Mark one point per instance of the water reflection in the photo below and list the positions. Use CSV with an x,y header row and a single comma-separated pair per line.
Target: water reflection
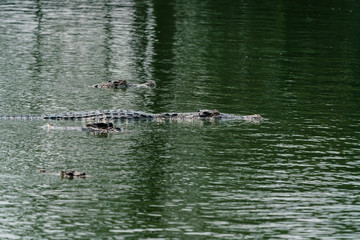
x,y
294,175
108,26
38,42
143,39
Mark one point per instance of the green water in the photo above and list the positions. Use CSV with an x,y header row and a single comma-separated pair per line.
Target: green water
x,y
293,176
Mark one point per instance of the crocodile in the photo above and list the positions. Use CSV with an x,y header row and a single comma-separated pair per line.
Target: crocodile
x,y
120,115
66,174
96,128
124,84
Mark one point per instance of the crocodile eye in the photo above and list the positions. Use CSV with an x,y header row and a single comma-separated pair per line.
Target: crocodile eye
x,y
206,113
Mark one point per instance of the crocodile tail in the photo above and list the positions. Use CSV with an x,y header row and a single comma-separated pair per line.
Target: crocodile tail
x,y
22,117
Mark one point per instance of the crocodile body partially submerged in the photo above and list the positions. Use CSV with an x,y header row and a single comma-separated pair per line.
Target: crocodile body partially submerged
x,y
118,115
124,84
66,174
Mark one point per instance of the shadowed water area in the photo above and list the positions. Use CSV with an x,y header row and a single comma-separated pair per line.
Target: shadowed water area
x,y
293,176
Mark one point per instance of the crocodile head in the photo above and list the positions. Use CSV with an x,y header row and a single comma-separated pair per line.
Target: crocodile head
x,y
209,113
150,83
255,118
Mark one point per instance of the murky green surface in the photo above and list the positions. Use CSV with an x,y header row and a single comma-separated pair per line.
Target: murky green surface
x,y
295,175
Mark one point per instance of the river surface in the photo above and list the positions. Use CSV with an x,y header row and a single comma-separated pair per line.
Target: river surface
x,y
295,175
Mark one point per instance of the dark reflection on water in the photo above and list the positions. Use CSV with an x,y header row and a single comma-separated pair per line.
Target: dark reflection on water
x,y
294,175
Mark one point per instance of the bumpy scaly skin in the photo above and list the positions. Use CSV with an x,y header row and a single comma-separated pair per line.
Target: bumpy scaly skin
x,y
113,115
124,84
